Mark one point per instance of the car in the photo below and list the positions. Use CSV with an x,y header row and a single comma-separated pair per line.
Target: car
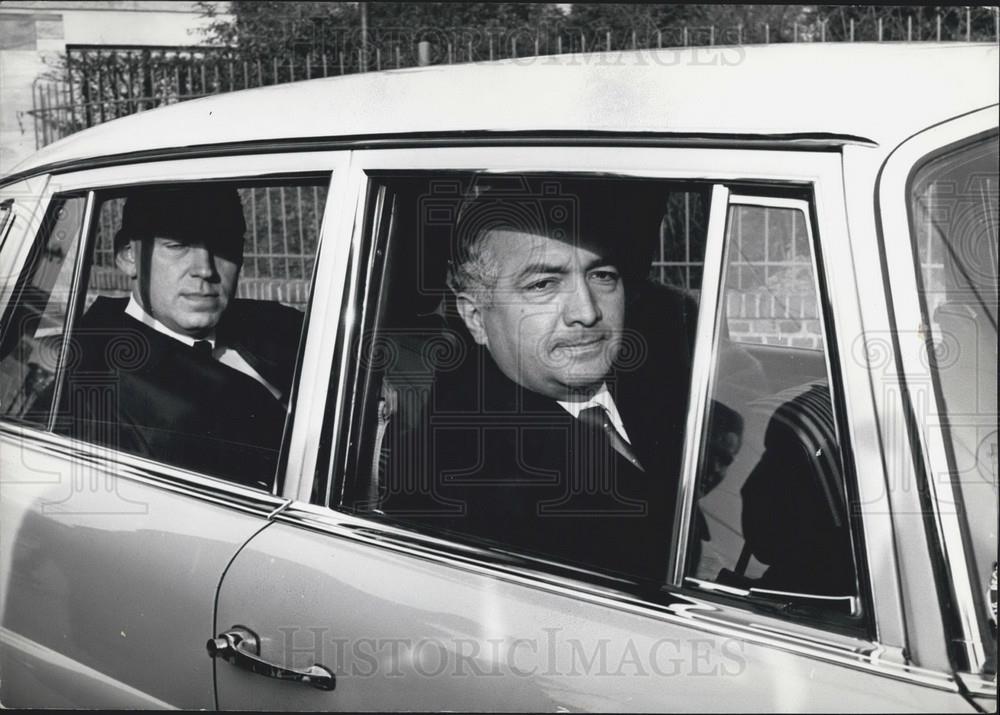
x,y
808,239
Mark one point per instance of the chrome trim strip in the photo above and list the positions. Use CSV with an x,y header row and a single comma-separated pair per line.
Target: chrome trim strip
x,y
786,142
144,471
978,686
907,311
701,377
313,373
346,310
685,609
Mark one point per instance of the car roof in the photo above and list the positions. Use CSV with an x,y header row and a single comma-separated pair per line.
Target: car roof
x,y
881,92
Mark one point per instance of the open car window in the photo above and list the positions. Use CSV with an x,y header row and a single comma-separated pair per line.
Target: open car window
x,y
182,338
459,437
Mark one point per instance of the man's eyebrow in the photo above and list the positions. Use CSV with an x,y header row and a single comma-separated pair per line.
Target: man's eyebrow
x,y
542,267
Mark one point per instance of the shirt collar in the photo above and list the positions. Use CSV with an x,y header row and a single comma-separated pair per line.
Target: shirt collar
x,y
602,398
136,311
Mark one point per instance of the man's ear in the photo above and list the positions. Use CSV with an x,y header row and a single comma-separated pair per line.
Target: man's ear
x,y
126,261
471,310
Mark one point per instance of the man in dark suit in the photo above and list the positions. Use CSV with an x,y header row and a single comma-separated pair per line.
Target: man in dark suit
x,y
181,371
560,431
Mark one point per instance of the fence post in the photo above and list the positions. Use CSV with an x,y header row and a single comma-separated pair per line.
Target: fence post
x,y
795,32
583,42
767,33
341,56
491,46
634,45
852,29
559,44
513,47
880,29
398,57
537,45
739,33
378,57
939,27
909,28
308,68
685,36
711,35
607,40
822,31
659,39
424,53
968,23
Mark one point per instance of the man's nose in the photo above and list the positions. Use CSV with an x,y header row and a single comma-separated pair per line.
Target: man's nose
x,y
580,306
202,262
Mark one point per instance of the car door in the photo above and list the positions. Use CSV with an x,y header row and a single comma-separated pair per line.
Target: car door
x,y
339,605
111,558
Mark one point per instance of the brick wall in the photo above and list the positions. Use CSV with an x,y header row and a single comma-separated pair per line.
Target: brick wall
x,y
769,318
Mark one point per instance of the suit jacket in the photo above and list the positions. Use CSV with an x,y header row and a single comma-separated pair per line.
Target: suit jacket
x,y
135,389
494,460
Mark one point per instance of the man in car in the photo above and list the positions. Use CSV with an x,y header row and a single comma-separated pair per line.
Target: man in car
x,y
559,432
182,371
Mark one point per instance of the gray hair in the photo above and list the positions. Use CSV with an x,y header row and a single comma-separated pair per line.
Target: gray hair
x,y
471,268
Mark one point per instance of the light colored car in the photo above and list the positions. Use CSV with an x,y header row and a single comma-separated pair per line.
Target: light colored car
x,y
816,230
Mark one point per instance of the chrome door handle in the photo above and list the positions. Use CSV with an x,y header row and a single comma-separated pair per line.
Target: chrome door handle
x,y
240,646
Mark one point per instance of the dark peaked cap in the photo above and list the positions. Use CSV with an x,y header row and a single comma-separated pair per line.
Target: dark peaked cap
x,y
212,213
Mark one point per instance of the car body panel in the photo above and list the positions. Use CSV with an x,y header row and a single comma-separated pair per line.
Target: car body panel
x,y
406,633
108,582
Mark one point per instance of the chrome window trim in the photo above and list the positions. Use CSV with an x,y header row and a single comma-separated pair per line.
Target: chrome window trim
x,y
706,334
72,301
332,259
906,309
688,610
979,686
703,372
796,141
141,470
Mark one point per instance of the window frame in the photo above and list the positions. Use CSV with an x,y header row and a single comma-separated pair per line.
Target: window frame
x,y
703,372
234,168
930,451
820,172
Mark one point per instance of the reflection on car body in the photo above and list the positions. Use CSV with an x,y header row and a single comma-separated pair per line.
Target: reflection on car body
x,y
460,410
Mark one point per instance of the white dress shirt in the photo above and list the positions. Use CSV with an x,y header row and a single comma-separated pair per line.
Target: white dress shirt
x,y
601,399
227,356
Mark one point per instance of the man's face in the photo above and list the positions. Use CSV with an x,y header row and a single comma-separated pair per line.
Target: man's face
x,y
553,321
185,285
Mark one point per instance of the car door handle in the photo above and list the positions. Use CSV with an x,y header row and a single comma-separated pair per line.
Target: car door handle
x,y
241,647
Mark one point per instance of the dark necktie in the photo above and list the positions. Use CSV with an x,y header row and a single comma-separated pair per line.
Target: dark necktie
x,y
202,349
597,418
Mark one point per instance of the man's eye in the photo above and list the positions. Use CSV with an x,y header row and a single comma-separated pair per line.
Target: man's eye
x,y
542,285
605,276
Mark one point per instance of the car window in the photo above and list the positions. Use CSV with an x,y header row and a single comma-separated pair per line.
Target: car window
x,y
953,199
32,334
188,323
500,308
771,520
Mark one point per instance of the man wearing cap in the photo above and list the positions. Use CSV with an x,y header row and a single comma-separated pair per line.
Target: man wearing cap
x,y
182,371
559,432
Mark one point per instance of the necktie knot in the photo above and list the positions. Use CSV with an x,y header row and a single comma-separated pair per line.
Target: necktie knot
x,y
597,417
202,349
